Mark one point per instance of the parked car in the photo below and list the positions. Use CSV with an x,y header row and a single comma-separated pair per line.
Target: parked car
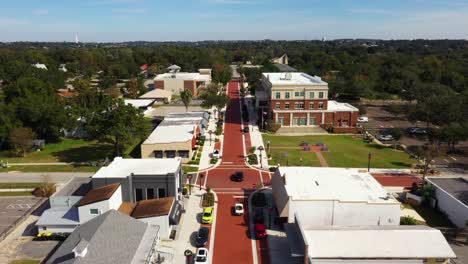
x,y
238,176
215,154
207,217
202,256
385,137
246,129
238,209
260,231
202,236
363,119
417,131
258,215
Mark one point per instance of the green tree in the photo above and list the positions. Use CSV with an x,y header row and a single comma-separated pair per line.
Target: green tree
x,y
215,100
186,97
133,88
222,73
119,124
7,123
21,138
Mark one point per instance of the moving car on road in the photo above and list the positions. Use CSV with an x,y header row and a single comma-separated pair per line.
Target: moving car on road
x,y
207,217
202,236
384,137
260,231
417,131
363,119
238,176
246,129
238,209
215,154
202,256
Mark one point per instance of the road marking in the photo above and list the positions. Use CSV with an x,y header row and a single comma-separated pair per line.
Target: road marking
x,y
206,179
453,158
446,161
239,196
227,162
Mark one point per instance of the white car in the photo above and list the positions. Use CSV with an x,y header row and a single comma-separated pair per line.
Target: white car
x,y
238,209
215,154
385,137
363,119
202,256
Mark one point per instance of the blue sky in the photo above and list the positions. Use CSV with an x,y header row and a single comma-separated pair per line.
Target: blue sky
x,y
157,20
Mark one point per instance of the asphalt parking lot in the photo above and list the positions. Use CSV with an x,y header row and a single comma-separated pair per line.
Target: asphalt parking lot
x,y
14,208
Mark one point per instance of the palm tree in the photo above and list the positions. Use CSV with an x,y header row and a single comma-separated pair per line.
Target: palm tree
x,y
186,97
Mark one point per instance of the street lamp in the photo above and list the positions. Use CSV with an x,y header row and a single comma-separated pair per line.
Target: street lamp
x,y
210,132
201,177
369,157
189,177
300,160
268,146
260,148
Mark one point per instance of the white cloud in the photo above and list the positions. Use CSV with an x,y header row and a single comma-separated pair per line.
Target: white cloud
x,y
13,22
129,10
40,12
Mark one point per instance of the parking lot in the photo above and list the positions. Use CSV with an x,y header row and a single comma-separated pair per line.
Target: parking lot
x,y
12,209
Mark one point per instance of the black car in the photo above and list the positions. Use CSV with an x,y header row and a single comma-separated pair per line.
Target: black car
x,y
202,236
238,176
246,129
258,215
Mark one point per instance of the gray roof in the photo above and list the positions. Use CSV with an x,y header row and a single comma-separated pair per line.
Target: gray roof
x,y
285,68
113,238
457,187
65,216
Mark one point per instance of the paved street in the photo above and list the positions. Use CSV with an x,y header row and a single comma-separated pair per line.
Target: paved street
x,y
232,241
57,177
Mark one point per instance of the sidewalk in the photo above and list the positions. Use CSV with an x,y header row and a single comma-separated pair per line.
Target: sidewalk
x,y
255,134
208,147
188,226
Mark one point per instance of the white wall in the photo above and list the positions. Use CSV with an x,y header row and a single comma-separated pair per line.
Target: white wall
x,y
113,202
456,211
344,214
358,261
162,222
56,229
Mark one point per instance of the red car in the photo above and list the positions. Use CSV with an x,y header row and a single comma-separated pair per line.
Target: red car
x,y
260,231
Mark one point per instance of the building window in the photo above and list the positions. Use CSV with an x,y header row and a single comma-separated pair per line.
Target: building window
x,y
298,94
311,95
150,193
311,105
138,194
298,105
281,120
320,105
286,95
277,105
161,192
278,95
312,121
93,211
320,94
286,105
170,154
158,154
303,121
296,121
183,153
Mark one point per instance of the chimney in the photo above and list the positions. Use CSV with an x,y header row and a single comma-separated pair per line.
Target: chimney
x,y
81,248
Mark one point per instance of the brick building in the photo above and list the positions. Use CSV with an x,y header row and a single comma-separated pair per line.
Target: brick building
x,y
298,99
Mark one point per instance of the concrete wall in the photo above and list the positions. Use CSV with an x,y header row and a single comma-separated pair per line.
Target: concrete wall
x,y
147,150
84,211
174,85
456,211
56,229
372,261
162,222
280,195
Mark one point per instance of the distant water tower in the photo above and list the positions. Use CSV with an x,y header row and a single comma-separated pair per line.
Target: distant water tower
x,y
76,39
324,39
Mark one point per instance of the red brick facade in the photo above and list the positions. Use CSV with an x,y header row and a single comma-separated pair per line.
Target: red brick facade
x,y
307,104
190,85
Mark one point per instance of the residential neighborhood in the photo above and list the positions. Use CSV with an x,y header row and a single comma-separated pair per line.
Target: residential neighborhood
x,y
144,143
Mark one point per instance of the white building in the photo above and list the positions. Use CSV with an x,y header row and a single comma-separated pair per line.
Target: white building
x,y
40,66
333,197
452,198
143,104
98,201
178,81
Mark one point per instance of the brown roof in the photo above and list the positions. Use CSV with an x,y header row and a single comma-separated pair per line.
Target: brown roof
x,y
148,208
127,208
99,194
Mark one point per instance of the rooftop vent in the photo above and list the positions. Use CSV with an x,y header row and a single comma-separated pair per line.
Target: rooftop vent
x,y
81,248
287,76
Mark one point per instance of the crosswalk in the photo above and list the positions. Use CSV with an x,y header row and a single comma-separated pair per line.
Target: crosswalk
x,y
234,191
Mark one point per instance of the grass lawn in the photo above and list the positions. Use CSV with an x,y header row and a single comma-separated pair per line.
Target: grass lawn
x,y
188,169
25,261
19,185
68,150
50,168
7,194
433,217
344,151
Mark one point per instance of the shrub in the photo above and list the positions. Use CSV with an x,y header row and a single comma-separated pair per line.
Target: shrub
x,y
252,149
219,130
252,159
213,160
408,220
208,200
272,127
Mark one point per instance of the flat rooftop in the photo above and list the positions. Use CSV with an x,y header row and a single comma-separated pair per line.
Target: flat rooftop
x,y
183,76
187,115
138,103
293,78
376,242
157,93
457,187
341,184
59,216
121,168
335,106
171,134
